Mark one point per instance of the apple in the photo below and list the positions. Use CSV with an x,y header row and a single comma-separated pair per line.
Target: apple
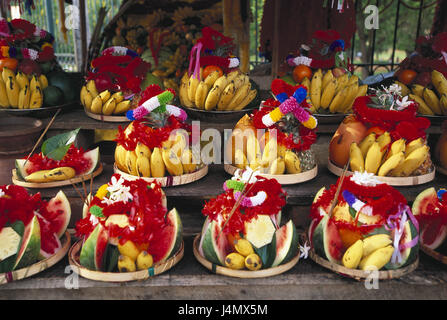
x,y
338,72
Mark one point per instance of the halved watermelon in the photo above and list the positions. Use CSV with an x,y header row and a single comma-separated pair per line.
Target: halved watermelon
x,y
30,246
215,247
93,156
205,227
408,255
327,242
22,166
94,249
425,202
167,243
59,213
286,244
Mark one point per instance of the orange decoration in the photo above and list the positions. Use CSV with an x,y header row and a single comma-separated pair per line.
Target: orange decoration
x,y
9,63
300,72
407,76
210,69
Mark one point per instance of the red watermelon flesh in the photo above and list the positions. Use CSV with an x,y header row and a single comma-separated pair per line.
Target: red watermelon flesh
x,y
434,233
58,213
162,246
334,244
101,247
49,243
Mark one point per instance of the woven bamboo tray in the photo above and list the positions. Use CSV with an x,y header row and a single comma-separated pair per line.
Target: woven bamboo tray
x,y
156,269
168,181
103,118
392,181
38,266
55,184
283,179
246,274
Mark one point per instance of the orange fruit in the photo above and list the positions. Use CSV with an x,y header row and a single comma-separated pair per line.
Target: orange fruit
x,y
210,69
9,63
407,76
377,130
349,237
300,72
232,240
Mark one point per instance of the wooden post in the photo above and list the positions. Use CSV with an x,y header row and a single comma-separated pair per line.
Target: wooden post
x,y
83,20
276,35
3,12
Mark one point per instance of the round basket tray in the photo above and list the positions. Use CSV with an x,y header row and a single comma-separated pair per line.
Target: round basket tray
x,y
360,274
335,118
168,181
434,254
38,266
247,274
55,184
283,179
392,181
43,112
156,269
103,118
217,116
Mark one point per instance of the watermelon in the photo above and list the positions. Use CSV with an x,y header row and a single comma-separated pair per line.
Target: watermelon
x,y
327,242
215,249
408,255
93,156
94,249
286,244
205,227
432,233
167,243
59,213
22,166
30,246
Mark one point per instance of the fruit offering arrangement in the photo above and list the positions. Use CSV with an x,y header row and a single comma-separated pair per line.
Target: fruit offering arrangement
x,y
432,98
30,227
165,33
383,137
243,225
366,225
30,75
157,143
332,88
213,81
59,160
277,138
114,82
126,227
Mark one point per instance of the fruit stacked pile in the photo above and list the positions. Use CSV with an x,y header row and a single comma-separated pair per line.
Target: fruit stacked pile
x,y
247,233
431,98
58,160
126,227
384,137
21,91
30,228
370,227
282,147
104,102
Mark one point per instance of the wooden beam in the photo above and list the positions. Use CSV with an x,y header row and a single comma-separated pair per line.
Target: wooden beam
x,y
83,20
276,36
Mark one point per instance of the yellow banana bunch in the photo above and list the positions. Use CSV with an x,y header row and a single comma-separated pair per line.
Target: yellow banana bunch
x,y
172,162
430,101
158,168
367,143
201,94
278,166
6,73
352,257
439,82
4,102
22,80
378,259
120,157
356,160
315,89
292,162
412,162
12,92
24,98
105,103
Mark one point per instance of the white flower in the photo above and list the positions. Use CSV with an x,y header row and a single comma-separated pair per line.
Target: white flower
x,y
394,89
304,251
365,179
118,192
403,103
2,193
245,177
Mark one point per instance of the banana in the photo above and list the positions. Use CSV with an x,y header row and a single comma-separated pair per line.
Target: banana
x,y
172,162
61,173
270,153
353,80
24,98
109,107
4,102
432,100
226,97
373,158
38,176
22,80
118,96
192,87
232,75
306,83
105,96
36,99
328,93
240,161
413,145
367,143
91,87
439,81
342,82
403,88
378,259
157,165
337,102
384,140
183,92
144,260
126,264
412,161
327,78
253,149
188,161
278,166
179,144
34,83
201,94
247,100
235,261
6,73
240,95
96,106
392,163
82,95
222,82
120,157
418,90
12,91
397,147
131,163
141,150
121,107
315,90
239,81
356,161
212,78
350,97
292,162
375,242
353,255
43,81
143,166
443,103
88,100
362,91
213,98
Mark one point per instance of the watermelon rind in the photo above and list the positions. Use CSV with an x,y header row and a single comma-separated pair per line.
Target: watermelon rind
x,y
324,242
30,245
93,155
288,248
65,215
94,248
212,251
409,255
174,217
20,165
205,228
429,196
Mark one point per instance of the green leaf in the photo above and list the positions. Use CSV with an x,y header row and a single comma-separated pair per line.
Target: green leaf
x,y
97,211
352,212
56,147
266,253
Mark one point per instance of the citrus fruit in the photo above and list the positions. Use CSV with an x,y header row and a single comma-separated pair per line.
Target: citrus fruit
x,y
300,72
407,76
9,63
210,69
